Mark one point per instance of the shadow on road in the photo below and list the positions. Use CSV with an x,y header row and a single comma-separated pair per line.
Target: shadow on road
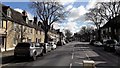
x,y
11,59
102,58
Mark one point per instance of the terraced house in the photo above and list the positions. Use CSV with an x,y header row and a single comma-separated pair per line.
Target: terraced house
x,y
16,27
53,35
111,30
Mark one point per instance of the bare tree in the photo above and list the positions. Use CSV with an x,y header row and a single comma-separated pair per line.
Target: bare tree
x,y
95,16
85,32
103,12
110,9
48,13
68,34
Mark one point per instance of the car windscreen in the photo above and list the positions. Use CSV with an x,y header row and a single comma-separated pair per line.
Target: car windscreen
x,y
110,42
23,45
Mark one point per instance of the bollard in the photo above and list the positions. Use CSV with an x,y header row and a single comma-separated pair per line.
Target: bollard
x,y
88,64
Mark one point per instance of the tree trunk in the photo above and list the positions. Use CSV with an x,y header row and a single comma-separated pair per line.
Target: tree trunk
x,y
99,35
46,37
45,41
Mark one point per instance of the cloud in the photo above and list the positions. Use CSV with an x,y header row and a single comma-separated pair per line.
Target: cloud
x,y
91,4
69,7
77,16
19,10
66,2
56,25
14,0
76,12
30,16
72,26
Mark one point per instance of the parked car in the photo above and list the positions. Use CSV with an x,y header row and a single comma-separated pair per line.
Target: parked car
x,y
27,49
39,48
48,47
66,41
92,42
53,45
97,43
63,41
59,43
117,48
109,45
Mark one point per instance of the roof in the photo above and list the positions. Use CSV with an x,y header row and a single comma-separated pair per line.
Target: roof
x,y
17,17
115,22
4,16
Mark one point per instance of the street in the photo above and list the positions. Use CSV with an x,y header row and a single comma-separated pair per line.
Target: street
x,y
69,56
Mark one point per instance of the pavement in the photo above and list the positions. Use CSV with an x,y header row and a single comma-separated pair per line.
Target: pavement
x,y
70,55
7,53
7,56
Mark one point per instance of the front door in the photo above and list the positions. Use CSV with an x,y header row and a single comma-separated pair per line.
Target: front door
x,y
2,43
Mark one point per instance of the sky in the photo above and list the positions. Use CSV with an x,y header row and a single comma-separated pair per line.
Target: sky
x,y
75,19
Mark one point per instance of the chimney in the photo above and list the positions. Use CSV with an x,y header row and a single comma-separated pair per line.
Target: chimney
x,y
30,22
35,19
4,9
24,15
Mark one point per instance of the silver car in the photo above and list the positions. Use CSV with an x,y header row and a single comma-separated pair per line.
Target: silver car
x,y
53,45
117,48
97,43
27,49
48,47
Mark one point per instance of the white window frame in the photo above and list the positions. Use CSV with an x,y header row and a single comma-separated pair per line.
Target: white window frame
x,y
9,13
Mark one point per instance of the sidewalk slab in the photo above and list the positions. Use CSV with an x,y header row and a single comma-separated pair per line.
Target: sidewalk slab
x,y
7,53
7,56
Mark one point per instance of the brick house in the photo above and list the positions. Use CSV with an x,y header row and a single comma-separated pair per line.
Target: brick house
x,y
111,30
16,27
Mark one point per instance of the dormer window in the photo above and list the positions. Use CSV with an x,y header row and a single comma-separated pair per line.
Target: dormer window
x,y
9,13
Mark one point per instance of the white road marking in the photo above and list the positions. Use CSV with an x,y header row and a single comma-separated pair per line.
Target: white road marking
x,y
79,57
87,56
5,64
70,65
72,55
78,63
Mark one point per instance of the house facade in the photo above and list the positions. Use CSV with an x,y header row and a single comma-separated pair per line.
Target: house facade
x,y
53,35
16,27
111,30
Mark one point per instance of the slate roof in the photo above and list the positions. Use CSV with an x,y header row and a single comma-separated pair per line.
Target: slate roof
x,y
4,16
115,22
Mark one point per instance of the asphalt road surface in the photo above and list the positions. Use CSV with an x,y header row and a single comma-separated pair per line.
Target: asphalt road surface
x,y
70,55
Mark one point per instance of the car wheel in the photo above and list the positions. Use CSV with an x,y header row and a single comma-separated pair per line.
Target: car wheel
x,y
34,57
52,48
104,49
15,57
41,54
115,52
